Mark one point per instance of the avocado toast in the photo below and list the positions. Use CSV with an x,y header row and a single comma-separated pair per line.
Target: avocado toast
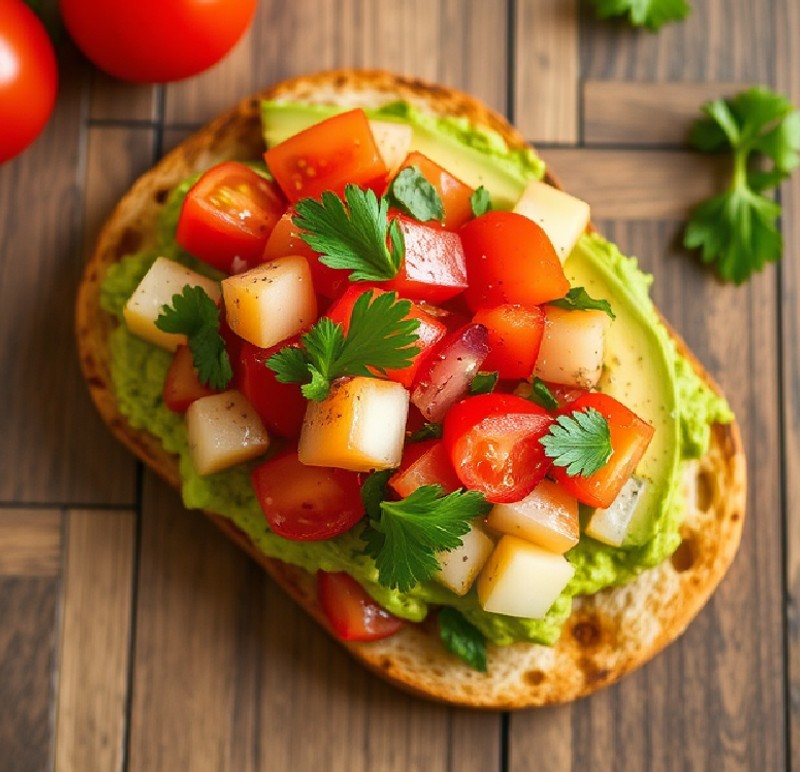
x,y
607,633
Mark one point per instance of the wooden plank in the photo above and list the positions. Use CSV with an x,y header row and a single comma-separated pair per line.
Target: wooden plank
x,y
117,101
462,44
95,640
787,25
27,622
546,88
637,184
645,113
30,542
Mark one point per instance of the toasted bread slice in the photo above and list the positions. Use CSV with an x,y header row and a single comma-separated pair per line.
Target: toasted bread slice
x,y
608,634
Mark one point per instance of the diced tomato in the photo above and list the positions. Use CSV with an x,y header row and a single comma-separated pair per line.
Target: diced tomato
x,y
352,614
455,194
281,406
424,463
447,369
285,240
493,442
434,268
227,215
515,334
328,156
182,385
307,503
630,436
430,330
565,395
510,260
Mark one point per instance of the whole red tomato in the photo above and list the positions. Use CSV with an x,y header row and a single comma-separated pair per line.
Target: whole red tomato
x,y
155,41
28,77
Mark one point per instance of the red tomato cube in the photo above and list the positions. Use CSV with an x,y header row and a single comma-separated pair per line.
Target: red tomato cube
x,y
182,385
424,463
515,334
327,156
510,260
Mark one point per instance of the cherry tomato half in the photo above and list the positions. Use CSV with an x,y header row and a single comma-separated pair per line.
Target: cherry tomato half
x,y
182,385
156,41
352,614
28,78
228,214
307,503
493,442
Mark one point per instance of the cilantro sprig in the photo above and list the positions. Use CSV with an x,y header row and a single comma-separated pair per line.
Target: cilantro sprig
x,y
412,194
541,394
578,299
480,201
737,229
404,536
484,382
652,14
352,234
579,441
380,338
194,314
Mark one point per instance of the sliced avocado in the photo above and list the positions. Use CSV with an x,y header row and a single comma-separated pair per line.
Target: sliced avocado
x,y
638,371
475,156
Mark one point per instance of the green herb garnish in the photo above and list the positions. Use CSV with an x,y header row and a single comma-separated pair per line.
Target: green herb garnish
x,y
480,201
541,394
412,194
380,338
578,299
580,441
652,14
484,383
462,638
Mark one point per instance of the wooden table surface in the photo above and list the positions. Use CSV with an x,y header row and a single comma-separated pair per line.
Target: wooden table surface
x,y
133,637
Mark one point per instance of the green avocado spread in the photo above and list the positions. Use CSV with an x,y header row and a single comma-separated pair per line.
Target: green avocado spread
x,y
642,369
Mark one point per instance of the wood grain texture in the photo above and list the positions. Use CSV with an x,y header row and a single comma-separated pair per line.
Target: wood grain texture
x,y
115,101
27,621
95,640
640,113
637,184
546,70
30,542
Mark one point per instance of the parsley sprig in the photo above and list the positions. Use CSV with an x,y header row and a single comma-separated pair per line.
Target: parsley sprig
x,y
404,536
194,314
578,299
738,228
652,14
462,638
380,338
412,194
352,234
579,441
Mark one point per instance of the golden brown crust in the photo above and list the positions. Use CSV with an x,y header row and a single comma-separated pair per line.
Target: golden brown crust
x,y
608,634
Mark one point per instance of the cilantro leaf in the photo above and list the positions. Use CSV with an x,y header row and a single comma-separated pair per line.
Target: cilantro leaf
x,y
541,394
405,538
412,194
578,299
373,491
426,432
194,314
652,14
462,638
480,201
380,338
484,383
354,237
580,441
737,229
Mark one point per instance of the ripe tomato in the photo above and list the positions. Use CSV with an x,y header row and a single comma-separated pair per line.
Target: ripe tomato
x,y
307,503
156,41
352,614
515,335
424,463
510,260
328,156
630,436
228,214
28,78
493,442
182,385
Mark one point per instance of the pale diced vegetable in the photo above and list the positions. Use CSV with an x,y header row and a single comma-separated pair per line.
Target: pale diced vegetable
x,y
271,302
165,279
393,141
611,525
224,430
548,516
458,568
562,216
360,426
573,347
521,579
